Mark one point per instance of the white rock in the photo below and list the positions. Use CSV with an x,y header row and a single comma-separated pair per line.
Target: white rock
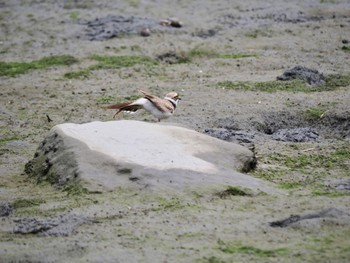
x,y
106,155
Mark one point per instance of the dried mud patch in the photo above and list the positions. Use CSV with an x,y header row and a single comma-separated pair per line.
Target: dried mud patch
x,y
267,16
62,225
111,26
328,125
284,126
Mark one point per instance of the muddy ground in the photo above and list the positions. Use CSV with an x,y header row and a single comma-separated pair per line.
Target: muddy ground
x,y
307,220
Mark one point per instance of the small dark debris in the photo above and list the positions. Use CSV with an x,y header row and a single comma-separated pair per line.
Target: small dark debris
x,y
6,209
124,171
286,222
170,57
233,191
48,118
311,76
296,135
134,178
345,41
326,213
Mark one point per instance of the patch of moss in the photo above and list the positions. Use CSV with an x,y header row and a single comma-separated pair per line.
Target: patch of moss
x,y
74,15
85,73
275,175
332,247
314,113
330,193
22,203
259,33
13,69
134,3
332,82
8,139
337,159
173,203
199,52
307,169
345,48
4,51
336,80
233,191
233,248
269,86
75,189
115,62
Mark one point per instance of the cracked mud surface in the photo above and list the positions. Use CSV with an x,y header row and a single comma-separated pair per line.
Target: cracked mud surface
x,y
310,174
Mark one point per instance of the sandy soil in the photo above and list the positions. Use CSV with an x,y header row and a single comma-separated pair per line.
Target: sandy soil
x,y
129,226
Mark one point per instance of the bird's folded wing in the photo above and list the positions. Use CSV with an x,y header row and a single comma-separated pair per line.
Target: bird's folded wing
x,y
161,104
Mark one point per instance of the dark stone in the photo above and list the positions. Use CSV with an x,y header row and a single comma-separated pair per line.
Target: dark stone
x,y
286,222
341,185
296,135
205,33
6,209
44,164
116,25
311,76
63,225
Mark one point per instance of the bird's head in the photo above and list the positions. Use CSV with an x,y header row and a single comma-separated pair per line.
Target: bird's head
x,y
173,96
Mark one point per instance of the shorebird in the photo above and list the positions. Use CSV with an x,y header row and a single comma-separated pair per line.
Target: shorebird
x,y
159,108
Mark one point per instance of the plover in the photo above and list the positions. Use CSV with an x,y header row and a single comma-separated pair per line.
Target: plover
x,y
159,108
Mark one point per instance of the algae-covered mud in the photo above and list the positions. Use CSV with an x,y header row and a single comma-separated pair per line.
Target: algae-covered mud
x,y
273,76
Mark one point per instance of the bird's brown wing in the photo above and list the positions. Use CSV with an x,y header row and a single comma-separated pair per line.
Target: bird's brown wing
x,y
124,106
118,105
161,104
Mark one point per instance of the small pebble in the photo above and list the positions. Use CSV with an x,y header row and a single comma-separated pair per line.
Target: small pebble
x,y
145,32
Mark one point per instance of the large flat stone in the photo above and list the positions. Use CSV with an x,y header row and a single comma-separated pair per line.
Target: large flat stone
x,y
105,155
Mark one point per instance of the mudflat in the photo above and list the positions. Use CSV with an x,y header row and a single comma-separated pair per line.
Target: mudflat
x,y
273,76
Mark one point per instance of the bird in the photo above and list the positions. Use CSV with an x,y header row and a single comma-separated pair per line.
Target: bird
x,y
159,108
